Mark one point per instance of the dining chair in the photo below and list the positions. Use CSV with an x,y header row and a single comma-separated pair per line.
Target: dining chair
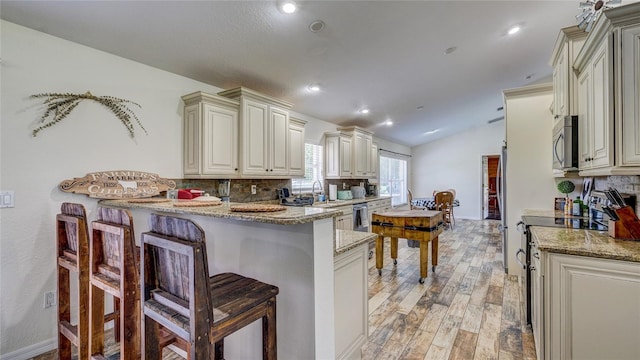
x,y
444,203
178,293
411,205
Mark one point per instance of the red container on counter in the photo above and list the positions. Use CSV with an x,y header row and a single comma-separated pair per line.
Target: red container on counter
x,y
189,193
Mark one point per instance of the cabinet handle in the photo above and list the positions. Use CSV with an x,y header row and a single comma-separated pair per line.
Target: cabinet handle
x,y
532,268
236,169
536,255
266,169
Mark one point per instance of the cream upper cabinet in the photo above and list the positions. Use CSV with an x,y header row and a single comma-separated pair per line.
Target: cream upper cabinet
x,y
346,160
373,162
609,64
296,147
595,111
629,100
349,153
264,134
568,44
210,130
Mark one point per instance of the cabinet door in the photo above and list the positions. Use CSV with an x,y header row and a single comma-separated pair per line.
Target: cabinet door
x,y
296,150
220,146
362,152
351,302
630,96
191,133
255,138
602,114
332,157
346,170
594,308
373,161
585,118
561,84
278,141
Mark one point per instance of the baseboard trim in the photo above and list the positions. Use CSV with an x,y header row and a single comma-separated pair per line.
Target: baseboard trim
x,y
31,351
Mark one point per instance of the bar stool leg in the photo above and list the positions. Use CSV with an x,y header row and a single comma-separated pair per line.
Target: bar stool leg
x,y
64,312
97,320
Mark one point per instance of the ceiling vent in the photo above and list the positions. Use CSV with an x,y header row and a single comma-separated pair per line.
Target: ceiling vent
x,y
316,26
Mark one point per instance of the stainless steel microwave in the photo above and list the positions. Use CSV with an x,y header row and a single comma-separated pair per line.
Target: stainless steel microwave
x,y
565,144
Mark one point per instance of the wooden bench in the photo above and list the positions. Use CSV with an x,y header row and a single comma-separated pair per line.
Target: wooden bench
x,y
201,310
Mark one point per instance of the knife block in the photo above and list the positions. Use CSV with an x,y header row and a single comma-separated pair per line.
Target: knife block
x,y
628,227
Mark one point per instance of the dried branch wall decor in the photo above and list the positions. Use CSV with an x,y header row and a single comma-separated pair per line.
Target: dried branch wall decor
x,y
59,106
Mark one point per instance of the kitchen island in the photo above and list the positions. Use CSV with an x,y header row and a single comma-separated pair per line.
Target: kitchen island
x,y
293,249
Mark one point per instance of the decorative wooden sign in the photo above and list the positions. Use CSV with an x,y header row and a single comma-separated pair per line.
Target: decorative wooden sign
x,y
118,184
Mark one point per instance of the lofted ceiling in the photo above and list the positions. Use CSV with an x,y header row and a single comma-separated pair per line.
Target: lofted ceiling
x,y
388,56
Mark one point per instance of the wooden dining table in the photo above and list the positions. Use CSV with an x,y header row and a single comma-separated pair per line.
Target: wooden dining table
x,y
420,225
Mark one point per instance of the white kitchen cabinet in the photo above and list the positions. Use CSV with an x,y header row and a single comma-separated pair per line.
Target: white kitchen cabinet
x,y
567,46
296,147
629,99
264,134
337,159
373,165
595,111
351,302
349,154
609,58
592,308
345,221
210,131
380,205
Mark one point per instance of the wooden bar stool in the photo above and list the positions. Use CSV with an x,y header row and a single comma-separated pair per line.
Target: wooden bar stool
x,y
73,256
181,296
114,269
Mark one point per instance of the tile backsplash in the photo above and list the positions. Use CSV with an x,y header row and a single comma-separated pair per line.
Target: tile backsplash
x,y
625,184
240,189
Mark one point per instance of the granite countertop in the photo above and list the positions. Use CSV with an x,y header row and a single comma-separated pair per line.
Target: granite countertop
x,y
290,216
347,240
589,243
547,213
338,203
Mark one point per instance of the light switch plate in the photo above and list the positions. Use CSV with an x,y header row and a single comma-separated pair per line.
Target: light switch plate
x,y
6,199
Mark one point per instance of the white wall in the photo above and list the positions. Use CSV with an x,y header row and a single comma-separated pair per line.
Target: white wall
x,y
90,139
530,181
456,162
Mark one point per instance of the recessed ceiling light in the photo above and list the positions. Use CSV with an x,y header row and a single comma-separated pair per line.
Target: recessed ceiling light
x,y
316,26
314,87
388,122
364,111
432,131
513,30
450,50
288,7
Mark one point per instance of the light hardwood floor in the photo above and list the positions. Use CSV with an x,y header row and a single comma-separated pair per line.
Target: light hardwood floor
x,y
468,309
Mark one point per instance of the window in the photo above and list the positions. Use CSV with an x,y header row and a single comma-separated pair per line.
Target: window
x,y
313,169
393,179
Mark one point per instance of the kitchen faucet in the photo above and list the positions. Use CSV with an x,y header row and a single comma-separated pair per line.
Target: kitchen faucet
x,y
313,187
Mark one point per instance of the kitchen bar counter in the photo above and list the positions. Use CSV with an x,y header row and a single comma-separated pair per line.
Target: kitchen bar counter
x,y
293,249
347,240
290,216
589,243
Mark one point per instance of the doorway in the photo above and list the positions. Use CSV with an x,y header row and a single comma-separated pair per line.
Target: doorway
x,y
490,205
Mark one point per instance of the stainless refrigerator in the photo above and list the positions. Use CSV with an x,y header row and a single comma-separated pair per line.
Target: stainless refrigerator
x,y
501,184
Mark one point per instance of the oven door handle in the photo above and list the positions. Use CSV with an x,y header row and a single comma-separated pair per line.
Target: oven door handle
x,y
520,251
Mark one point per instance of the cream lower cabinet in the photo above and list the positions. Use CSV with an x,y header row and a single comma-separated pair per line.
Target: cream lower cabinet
x,y
210,130
380,205
345,221
591,308
351,302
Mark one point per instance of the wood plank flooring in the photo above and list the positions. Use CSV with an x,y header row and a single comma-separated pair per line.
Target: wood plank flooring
x,y
468,309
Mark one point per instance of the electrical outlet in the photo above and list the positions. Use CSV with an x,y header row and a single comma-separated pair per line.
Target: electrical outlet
x,y
253,190
49,299
6,199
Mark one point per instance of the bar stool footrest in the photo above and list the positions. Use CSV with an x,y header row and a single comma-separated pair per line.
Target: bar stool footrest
x,y
69,331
